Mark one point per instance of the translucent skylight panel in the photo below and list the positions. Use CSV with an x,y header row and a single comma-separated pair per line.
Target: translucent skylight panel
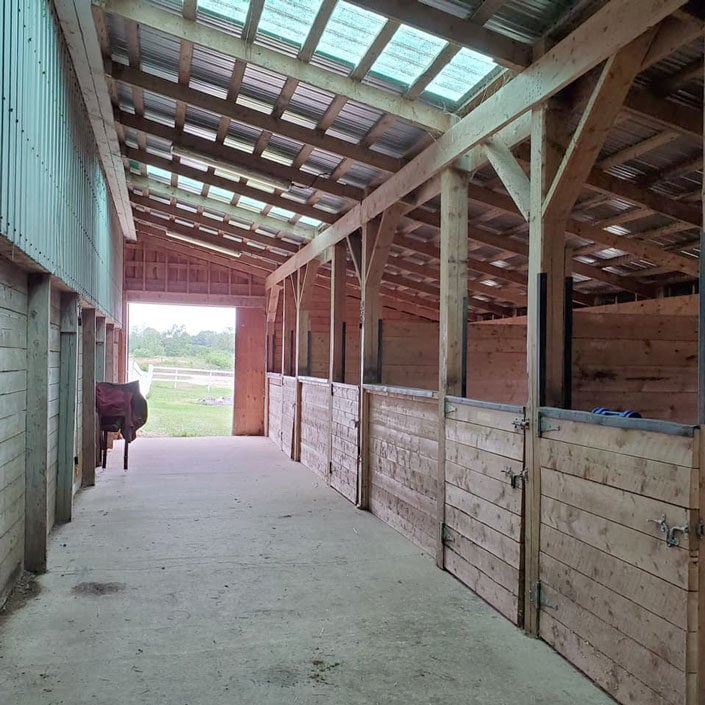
x,y
234,11
220,194
306,220
190,184
409,53
251,204
290,20
281,213
349,33
158,174
465,71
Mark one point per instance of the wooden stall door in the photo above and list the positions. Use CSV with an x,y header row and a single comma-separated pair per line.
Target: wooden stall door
x,y
484,490
403,463
345,420
315,425
616,599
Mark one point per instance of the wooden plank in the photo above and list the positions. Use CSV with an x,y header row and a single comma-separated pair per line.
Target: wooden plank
x,y
626,508
483,511
617,681
667,482
663,678
496,595
67,406
634,547
641,444
651,631
37,418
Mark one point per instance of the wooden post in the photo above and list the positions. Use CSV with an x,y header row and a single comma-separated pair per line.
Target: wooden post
x,y
377,238
336,356
123,344
110,352
453,325
88,422
36,422
249,398
337,313
68,388
100,348
545,331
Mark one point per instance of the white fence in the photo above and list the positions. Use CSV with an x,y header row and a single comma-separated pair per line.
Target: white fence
x,y
187,375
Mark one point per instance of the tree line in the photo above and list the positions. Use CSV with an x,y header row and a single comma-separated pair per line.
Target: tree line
x,y
206,348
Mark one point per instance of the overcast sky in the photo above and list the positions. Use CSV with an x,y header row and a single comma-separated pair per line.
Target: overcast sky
x,y
195,318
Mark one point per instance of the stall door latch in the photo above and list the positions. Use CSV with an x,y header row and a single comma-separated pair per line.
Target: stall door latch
x,y
514,477
521,423
672,532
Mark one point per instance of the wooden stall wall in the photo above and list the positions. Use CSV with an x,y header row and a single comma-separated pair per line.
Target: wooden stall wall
x,y
410,353
274,407
315,425
617,601
288,416
641,361
483,534
13,404
402,457
345,418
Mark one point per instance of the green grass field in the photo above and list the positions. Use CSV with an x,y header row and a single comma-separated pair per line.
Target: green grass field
x,y
176,412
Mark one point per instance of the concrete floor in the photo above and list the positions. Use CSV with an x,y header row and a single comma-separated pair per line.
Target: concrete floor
x,y
216,571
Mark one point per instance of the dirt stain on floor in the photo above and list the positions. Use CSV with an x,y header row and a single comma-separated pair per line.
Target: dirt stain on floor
x,y
97,589
25,590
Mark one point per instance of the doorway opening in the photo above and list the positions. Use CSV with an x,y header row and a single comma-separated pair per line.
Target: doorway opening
x,y
184,360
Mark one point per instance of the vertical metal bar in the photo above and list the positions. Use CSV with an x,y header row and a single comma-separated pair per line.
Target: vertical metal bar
x,y
701,333
541,352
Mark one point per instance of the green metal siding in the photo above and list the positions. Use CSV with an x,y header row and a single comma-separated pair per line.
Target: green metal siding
x,y
54,200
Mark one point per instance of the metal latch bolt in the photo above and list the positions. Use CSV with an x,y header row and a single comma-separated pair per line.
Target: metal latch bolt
x,y
520,423
672,532
514,477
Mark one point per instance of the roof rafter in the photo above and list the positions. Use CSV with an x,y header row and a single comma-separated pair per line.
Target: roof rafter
x,y
164,21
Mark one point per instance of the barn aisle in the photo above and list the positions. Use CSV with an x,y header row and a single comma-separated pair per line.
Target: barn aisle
x,y
217,571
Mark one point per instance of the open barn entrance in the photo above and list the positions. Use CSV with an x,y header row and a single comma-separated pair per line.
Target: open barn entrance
x,y
184,359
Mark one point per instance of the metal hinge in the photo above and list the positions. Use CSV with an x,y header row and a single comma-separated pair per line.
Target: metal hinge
x,y
700,529
539,599
514,477
450,409
521,423
672,532
445,536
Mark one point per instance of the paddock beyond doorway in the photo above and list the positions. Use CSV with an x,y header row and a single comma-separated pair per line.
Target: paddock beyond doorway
x,y
218,571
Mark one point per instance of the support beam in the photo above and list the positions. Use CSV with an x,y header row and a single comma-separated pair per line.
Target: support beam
x,y
510,172
604,105
545,331
607,31
228,44
100,351
88,419
306,279
453,325
337,313
36,422
68,391
110,352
